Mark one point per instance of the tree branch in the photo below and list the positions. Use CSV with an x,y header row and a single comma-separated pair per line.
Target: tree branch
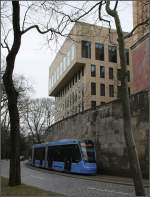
x,y
25,16
100,8
138,25
52,30
116,4
5,42
102,19
5,47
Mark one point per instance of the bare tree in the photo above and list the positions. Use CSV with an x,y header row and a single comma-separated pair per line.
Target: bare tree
x,y
14,20
37,117
128,133
24,89
12,94
52,30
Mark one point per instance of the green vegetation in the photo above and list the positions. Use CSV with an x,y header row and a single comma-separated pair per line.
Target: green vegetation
x,y
23,190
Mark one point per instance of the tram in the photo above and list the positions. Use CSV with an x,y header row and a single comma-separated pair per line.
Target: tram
x,y
68,155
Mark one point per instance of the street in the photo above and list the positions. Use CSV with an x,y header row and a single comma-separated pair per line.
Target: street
x,y
73,185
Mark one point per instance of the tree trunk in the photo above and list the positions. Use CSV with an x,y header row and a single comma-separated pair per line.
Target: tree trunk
x,y
14,170
128,133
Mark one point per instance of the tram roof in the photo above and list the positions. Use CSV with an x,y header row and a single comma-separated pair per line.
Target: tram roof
x,y
39,145
57,142
64,141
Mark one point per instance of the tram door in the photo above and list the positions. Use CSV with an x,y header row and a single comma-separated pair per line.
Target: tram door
x,y
67,151
67,165
50,156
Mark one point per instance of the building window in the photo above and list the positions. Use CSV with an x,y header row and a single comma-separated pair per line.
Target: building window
x,y
111,90
93,88
128,75
102,89
111,73
72,97
54,77
75,78
119,91
102,72
75,97
61,68
72,52
73,81
119,74
78,75
64,63
127,56
82,70
93,104
129,91
93,70
86,49
112,51
99,51
58,73
68,58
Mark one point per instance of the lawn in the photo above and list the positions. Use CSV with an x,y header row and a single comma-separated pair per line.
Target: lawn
x,y
23,190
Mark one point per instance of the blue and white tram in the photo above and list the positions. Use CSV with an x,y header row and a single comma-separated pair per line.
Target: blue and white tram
x,y
69,155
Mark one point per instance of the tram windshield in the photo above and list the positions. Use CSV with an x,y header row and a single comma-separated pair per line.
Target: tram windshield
x,y
88,151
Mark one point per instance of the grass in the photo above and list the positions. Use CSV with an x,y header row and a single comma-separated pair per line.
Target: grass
x,y
23,190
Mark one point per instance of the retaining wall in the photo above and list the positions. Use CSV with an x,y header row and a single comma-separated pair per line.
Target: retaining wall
x,y
104,125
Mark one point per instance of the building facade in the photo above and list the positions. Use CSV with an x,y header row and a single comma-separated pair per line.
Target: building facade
x,y
140,14
86,71
140,48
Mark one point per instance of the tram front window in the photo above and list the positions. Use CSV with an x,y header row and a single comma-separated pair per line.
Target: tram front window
x,y
88,151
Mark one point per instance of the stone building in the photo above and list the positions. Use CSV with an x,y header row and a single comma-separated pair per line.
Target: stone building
x,y
85,72
140,48
140,14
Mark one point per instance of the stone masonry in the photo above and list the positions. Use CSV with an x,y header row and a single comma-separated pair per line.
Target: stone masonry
x,y
104,126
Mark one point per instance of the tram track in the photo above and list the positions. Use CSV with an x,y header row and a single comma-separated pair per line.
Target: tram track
x,y
97,178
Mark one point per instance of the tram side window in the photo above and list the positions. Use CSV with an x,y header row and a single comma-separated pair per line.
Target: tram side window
x,y
39,154
67,152
58,154
63,153
55,153
71,152
76,156
50,155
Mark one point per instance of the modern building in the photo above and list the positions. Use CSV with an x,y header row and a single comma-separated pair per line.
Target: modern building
x,y
140,48
86,71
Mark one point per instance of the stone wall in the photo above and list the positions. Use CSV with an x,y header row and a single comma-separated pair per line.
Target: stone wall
x,y
104,125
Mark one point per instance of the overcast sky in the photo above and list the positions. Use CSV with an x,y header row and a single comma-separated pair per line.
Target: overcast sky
x,y
34,59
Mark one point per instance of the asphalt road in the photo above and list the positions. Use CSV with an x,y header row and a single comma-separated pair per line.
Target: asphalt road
x,y
74,185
